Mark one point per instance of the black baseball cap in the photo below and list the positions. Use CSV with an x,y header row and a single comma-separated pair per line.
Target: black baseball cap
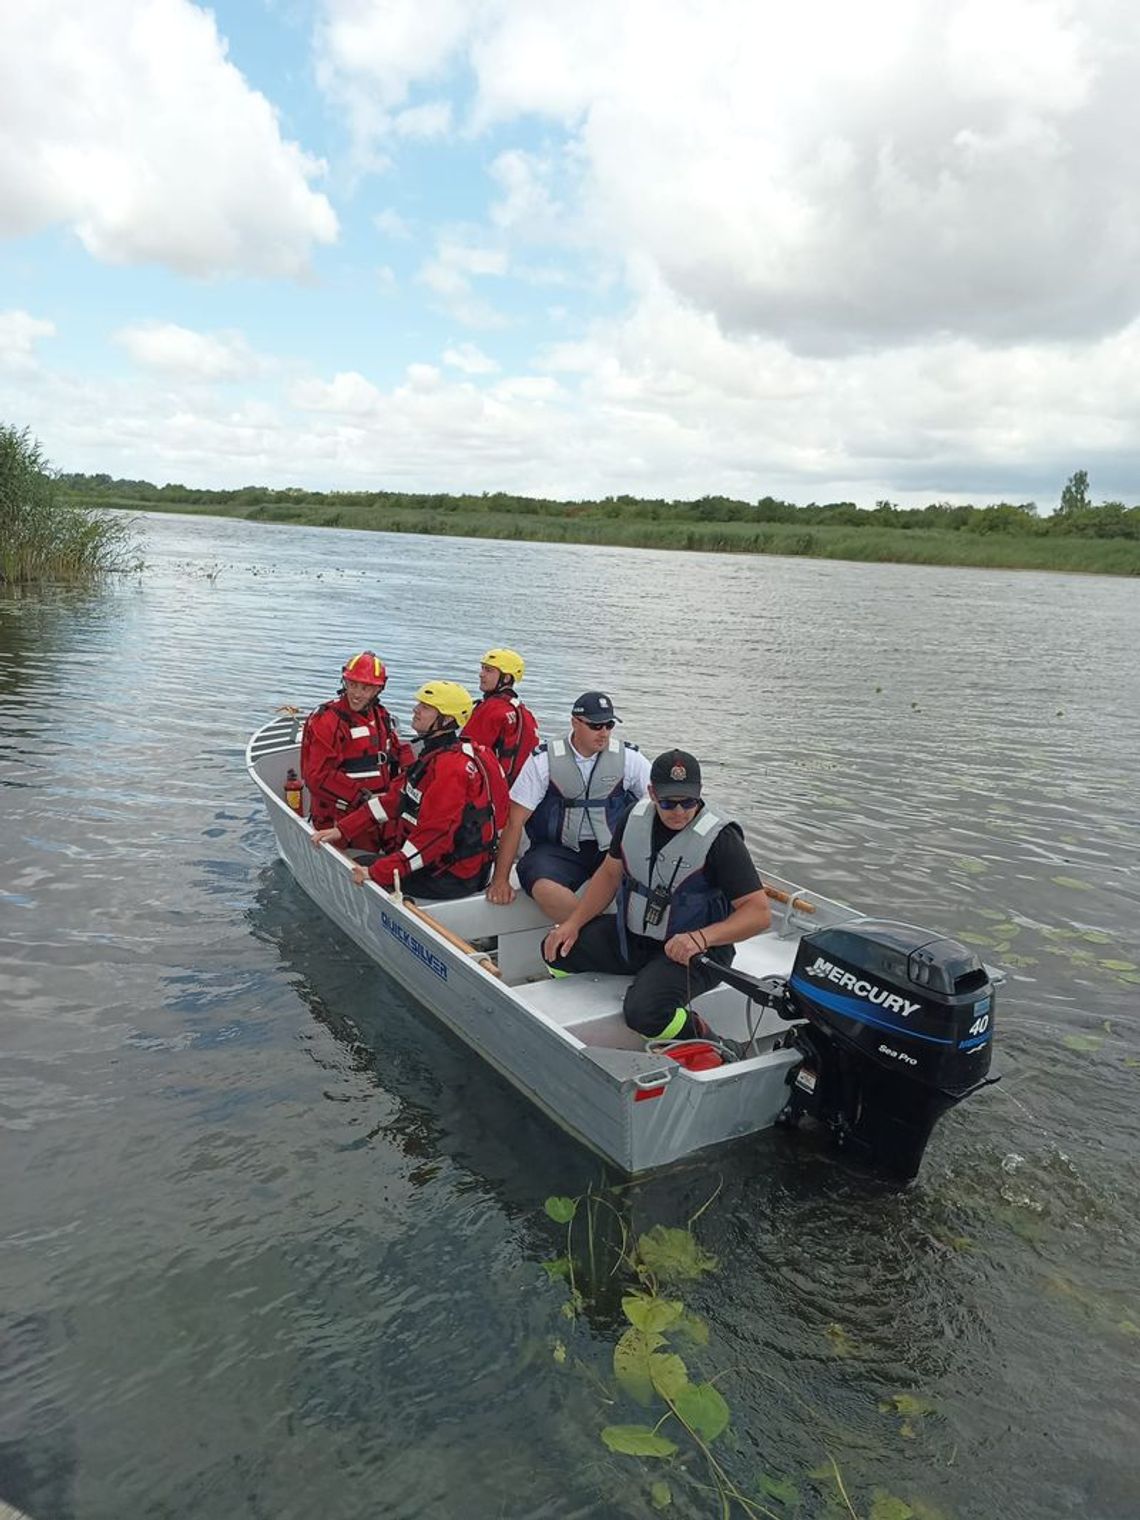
x,y
675,774
594,707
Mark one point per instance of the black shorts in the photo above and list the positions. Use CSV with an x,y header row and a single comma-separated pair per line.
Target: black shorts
x,y
556,862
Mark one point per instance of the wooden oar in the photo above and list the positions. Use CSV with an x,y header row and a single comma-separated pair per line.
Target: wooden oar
x,y
800,903
452,939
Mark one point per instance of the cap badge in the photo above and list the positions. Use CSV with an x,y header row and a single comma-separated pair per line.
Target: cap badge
x,y
678,773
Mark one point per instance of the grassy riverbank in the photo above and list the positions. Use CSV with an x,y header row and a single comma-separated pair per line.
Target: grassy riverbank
x,y
43,538
1000,537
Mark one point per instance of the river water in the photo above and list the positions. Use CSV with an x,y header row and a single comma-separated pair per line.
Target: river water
x,y
271,1241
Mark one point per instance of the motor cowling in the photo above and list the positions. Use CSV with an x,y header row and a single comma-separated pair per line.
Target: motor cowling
x,y
899,1028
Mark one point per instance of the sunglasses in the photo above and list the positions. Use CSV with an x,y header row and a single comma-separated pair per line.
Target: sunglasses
x,y
597,727
669,803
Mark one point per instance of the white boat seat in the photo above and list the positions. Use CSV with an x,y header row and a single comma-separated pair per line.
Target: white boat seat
x,y
579,999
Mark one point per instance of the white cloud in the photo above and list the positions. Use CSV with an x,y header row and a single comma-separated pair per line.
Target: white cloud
x,y
348,394
390,224
432,119
449,276
470,359
168,349
126,122
841,176
659,403
19,334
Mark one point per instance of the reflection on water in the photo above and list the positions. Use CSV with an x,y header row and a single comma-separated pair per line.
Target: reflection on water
x,y
271,1237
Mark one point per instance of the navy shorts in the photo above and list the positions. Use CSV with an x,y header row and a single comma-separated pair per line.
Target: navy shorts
x,y
555,862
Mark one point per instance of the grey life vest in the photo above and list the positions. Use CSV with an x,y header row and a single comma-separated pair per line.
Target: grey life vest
x,y
584,800
677,870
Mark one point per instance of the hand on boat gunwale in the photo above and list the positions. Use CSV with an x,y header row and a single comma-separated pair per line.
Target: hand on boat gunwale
x,y
682,947
501,893
359,875
324,836
560,941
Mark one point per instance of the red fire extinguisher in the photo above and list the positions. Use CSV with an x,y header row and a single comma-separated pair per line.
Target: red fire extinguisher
x,y
294,791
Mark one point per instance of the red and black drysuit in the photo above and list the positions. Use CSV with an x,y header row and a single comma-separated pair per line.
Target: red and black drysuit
x,y
439,824
506,727
348,756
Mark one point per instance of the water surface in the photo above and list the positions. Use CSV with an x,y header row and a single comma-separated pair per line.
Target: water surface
x,y
270,1239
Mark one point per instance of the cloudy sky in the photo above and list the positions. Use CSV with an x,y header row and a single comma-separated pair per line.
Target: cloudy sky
x,y
576,247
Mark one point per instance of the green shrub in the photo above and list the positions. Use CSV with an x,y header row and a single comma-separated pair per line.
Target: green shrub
x,y
44,539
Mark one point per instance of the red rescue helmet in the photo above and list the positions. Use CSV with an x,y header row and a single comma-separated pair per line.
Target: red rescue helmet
x,y
367,668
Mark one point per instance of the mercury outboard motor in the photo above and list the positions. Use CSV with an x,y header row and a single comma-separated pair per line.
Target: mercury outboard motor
x,y
899,1028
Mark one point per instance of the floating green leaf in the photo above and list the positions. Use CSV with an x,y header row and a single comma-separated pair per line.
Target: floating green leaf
x,y
561,1210
674,1254
703,1409
1119,965
885,1506
910,1404
1017,961
1007,929
970,864
694,1329
783,1490
631,1363
969,937
669,1374
637,1441
660,1495
1074,883
1096,937
559,1267
1083,1041
650,1313
841,1342
1131,1061
559,1352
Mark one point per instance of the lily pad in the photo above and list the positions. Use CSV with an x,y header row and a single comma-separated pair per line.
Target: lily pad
x,y
841,1342
970,864
559,1267
1083,1042
1096,937
561,1210
649,1313
559,1352
910,1404
637,1441
670,1375
695,1329
703,1409
1119,965
660,1495
1074,883
783,1490
886,1506
674,1255
631,1363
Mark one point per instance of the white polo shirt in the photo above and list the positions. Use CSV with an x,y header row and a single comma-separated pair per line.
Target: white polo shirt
x,y
533,781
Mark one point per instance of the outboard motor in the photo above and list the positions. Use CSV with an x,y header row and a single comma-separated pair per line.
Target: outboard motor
x,y
899,1028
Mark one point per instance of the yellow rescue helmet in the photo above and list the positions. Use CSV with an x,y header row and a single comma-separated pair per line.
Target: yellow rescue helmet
x,y
448,698
508,661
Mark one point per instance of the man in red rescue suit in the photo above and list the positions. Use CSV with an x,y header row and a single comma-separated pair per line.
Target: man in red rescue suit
x,y
500,721
350,748
439,824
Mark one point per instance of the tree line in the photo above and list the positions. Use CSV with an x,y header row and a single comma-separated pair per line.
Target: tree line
x,y
1076,516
